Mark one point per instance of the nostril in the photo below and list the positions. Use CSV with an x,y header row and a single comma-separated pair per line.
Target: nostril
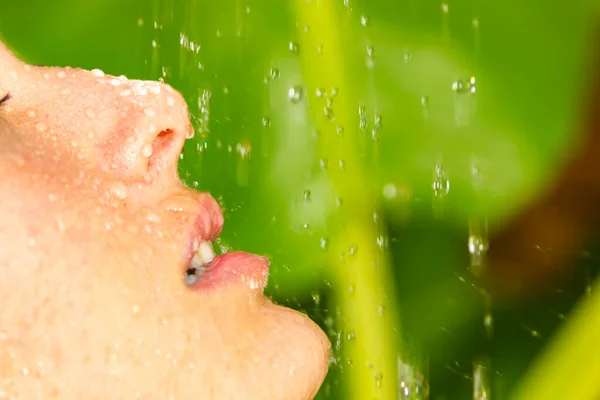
x,y
162,148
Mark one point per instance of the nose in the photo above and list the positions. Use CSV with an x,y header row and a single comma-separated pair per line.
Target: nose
x,y
130,128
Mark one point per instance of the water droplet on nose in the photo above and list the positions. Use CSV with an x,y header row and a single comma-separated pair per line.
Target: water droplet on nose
x,y
126,93
155,89
97,72
295,94
149,112
115,82
61,74
90,113
41,127
170,101
147,150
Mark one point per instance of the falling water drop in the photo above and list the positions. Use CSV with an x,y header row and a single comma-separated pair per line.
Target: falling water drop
x,y
273,73
323,163
441,184
478,245
204,100
362,119
323,242
364,20
295,94
481,379
307,196
293,47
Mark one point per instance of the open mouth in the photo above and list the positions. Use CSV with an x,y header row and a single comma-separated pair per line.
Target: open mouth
x,y
204,254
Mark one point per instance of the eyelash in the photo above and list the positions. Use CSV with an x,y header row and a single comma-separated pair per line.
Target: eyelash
x,y
5,98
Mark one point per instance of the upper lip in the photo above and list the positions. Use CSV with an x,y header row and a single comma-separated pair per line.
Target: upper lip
x,y
204,222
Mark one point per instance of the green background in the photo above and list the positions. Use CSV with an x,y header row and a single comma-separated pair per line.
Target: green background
x,y
293,176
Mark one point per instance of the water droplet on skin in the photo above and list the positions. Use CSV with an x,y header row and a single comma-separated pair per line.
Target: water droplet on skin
x,y
115,82
90,113
149,112
152,128
64,92
170,101
119,190
30,113
98,73
147,150
61,74
155,89
41,127
295,94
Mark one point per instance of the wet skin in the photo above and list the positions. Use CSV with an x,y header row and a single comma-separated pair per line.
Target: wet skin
x,y
97,231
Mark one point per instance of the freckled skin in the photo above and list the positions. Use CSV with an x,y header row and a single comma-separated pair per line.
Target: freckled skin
x,y
94,304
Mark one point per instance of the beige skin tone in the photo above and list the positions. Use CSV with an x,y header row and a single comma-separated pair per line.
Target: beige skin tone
x,y
95,236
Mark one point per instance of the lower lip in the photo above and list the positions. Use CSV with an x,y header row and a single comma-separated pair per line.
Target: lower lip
x,y
235,269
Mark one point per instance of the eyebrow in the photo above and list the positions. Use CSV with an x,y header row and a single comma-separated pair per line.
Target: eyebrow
x,y
5,98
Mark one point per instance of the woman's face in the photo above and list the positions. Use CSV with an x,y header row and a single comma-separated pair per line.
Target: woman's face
x,y
96,234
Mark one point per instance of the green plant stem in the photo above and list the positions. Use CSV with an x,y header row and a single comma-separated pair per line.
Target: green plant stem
x,y
361,277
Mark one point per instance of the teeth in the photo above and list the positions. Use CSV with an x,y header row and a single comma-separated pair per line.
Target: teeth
x,y
205,252
202,257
